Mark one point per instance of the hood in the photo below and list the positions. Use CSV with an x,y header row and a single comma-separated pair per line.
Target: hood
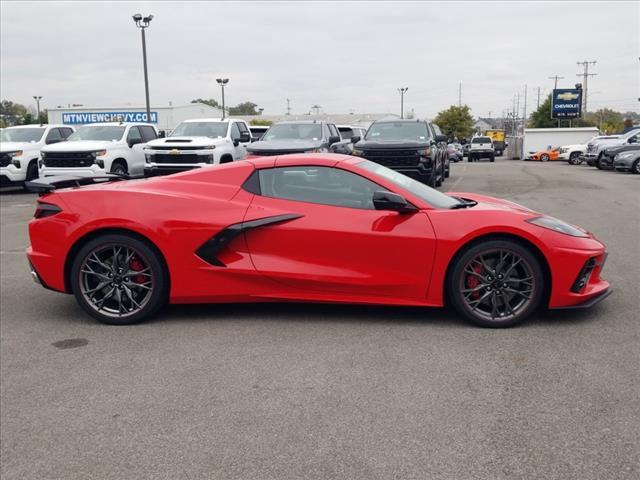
x,y
79,146
178,142
284,145
15,146
491,203
391,144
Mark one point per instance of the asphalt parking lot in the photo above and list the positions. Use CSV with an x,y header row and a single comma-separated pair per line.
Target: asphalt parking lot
x,y
317,392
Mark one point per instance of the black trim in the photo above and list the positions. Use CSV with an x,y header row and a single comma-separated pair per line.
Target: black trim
x,y
252,184
589,303
209,250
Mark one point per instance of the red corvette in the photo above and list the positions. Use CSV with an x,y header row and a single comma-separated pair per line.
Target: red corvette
x,y
314,228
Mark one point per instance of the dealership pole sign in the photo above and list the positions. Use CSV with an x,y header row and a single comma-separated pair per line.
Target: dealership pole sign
x,y
566,103
81,118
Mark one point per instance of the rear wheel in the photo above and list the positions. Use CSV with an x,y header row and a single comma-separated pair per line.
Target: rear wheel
x,y
492,158
497,283
635,168
119,279
544,157
118,167
574,158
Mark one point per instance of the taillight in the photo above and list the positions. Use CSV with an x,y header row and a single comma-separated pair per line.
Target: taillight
x,y
46,210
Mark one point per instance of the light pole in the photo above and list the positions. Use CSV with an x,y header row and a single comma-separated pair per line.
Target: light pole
x,y
222,82
402,91
143,23
261,110
37,98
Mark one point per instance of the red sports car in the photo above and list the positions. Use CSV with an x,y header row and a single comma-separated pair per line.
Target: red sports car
x,y
306,227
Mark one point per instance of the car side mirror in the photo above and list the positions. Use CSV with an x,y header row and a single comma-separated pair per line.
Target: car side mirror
x,y
162,134
135,141
334,139
441,138
236,142
54,140
384,200
245,137
355,139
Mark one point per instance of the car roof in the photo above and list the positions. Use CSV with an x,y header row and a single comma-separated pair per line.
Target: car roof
x,y
291,122
218,120
302,159
401,120
34,125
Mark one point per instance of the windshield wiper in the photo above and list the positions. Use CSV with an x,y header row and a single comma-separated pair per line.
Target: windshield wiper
x,y
464,203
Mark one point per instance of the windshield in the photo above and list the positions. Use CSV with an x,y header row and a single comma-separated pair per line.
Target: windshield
x,y
416,131
201,129
481,140
428,194
104,133
22,134
294,131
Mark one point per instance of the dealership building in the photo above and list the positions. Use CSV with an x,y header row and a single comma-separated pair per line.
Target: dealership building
x,y
164,118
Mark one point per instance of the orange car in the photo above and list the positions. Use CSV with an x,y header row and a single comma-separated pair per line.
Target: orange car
x,y
546,155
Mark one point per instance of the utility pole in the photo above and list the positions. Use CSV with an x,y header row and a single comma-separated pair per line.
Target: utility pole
x,y
538,104
402,91
524,113
288,107
37,98
460,94
555,78
585,77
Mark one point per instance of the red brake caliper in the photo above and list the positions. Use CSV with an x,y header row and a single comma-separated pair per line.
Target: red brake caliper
x,y
473,281
137,266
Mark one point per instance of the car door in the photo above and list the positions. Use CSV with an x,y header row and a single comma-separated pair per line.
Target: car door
x,y
245,139
136,145
239,150
319,232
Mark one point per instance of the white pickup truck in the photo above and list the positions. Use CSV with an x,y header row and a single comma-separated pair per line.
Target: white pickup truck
x,y
99,148
20,150
481,147
198,143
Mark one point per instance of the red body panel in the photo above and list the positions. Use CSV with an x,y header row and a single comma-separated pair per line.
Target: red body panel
x,y
326,254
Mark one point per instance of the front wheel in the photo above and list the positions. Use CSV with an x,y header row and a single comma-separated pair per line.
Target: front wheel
x,y
118,279
496,283
574,158
544,157
636,167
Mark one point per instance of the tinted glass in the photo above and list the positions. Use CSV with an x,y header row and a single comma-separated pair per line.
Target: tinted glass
x,y
428,194
416,131
22,134
148,133
97,132
294,131
53,135
65,132
201,129
333,131
346,133
323,185
235,131
134,134
242,127
481,140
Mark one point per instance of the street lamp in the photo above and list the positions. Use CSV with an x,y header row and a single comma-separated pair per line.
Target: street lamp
x,y
143,23
37,98
261,110
402,91
222,82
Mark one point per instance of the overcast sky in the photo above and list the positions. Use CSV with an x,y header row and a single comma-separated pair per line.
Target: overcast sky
x,y
342,56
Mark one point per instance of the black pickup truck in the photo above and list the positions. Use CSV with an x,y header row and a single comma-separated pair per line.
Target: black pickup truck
x,y
415,148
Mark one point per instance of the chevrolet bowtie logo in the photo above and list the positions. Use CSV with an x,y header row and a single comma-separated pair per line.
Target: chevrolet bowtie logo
x,y
566,96
174,151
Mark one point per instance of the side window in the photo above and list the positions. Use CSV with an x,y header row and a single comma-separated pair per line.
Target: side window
x,y
148,133
243,128
65,131
235,131
436,129
633,139
325,130
333,131
323,185
54,136
134,136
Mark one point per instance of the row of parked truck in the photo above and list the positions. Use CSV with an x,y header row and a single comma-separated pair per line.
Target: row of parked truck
x,y
414,147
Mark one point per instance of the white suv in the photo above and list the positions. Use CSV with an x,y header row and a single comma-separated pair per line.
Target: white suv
x,y
198,143
481,147
20,150
99,148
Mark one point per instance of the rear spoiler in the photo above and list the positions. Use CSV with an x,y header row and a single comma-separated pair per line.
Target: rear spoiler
x,y
49,184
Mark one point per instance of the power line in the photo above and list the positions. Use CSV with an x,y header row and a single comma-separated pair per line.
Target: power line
x,y
555,78
585,77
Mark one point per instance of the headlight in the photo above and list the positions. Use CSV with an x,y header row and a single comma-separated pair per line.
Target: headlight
x,y
148,157
557,226
14,154
357,153
100,153
424,152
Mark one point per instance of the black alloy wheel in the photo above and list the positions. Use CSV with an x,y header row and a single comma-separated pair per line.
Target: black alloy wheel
x,y
497,283
574,158
118,279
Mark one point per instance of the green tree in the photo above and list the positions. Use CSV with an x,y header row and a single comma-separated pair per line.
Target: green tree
x,y
455,121
244,108
211,102
541,118
261,122
12,113
607,120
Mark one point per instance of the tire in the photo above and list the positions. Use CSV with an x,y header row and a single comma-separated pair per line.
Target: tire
x,y
544,157
226,159
431,181
470,159
119,167
32,172
492,158
486,306
447,173
440,176
573,158
137,295
635,168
